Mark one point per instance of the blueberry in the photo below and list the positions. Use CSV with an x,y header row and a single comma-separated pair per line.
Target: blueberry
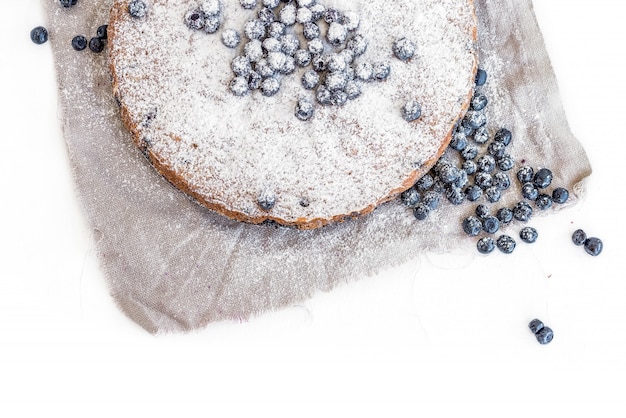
x,y
248,4
264,68
304,15
421,211
239,86
266,200
505,163
96,45
231,38
455,195
254,29
579,237
425,183
501,181
482,211
462,180
310,30
254,80
332,15
357,44
411,110
317,9
431,199
272,4
289,66
353,89
525,174
211,7
336,34
241,65
302,57
276,29
496,149
448,173
194,19
253,50
68,3
288,14
479,101
212,23
381,71
304,110
102,31
476,119
481,77
137,9
364,71
491,224
504,215
472,226
483,180
410,197
315,46
335,81
560,195
458,141
485,245
528,234
39,35
504,136
266,15
542,178
506,244
486,163
493,194
529,191
593,246
403,49
522,211
535,326
469,167
79,42
469,152
544,335
270,86
481,135
323,96
543,201
276,60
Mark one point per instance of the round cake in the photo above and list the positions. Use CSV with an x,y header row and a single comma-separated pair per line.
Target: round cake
x,y
300,112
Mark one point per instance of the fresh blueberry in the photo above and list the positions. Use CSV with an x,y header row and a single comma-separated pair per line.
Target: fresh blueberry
x,y
535,326
501,181
317,9
332,15
504,215
421,211
486,163
212,23
579,237
335,81
323,96
304,15
310,79
448,173
479,101
469,152
476,119
411,110
469,167
96,45
79,42
542,178
266,15
304,110
522,211
254,29
270,86
431,199
544,335
231,38
315,46
481,77
241,66
353,89
336,34
458,141
403,49
528,234
505,163
276,30
483,180
472,226
288,14
493,194
310,30
102,31
248,4
544,201
137,9
455,195
276,60
364,71
254,80
506,244
485,245
239,86
481,135
462,180
425,182
302,57
529,191
410,197
491,224
525,174
253,50
357,44
593,246
68,3
503,135
496,149
381,70
351,20
266,200
39,35
560,195
264,68
482,211
194,19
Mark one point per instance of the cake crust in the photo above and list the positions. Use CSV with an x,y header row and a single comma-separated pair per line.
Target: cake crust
x,y
204,158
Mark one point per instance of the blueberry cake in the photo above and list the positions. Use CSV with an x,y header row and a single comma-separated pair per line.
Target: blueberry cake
x,y
302,112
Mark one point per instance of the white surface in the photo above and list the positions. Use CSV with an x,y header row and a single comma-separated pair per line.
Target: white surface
x,y
437,336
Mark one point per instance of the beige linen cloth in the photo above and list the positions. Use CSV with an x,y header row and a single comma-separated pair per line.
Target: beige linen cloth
x,y
173,266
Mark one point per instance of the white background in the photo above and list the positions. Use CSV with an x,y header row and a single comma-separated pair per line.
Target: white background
x,y
439,336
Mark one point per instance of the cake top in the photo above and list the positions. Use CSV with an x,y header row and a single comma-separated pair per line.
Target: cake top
x,y
286,152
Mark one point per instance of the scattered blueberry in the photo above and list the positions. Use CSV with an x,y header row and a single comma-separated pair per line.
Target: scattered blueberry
x,y
68,3
421,211
483,180
501,181
137,9
410,197
522,211
505,163
357,44
496,149
79,42
481,135
579,237
485,245
403,49
231,38
39,35
542,178
469,152
535,326
504,215
270,86
304,110
310,79
506,244
310,30
411,111
593,246
560,195
491,224
504,136
525,174
544,201
493,194
486,163
479,101
529,191
96,45
102,31
458,141
481,77
472,226
239,86
544,335
381,71
248,4
431,199
336,34
266,201
455,195
482,211
473,193
528,234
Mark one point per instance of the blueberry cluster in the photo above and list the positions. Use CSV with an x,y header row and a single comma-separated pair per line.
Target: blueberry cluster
x,y
96,43
481,173
593,246
206,16
543,333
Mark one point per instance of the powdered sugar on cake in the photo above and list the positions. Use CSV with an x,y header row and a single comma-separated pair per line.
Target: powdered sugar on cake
x,y
226,150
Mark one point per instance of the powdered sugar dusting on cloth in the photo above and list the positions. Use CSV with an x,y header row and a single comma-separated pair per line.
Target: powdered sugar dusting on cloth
x,y
173,83
172,266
